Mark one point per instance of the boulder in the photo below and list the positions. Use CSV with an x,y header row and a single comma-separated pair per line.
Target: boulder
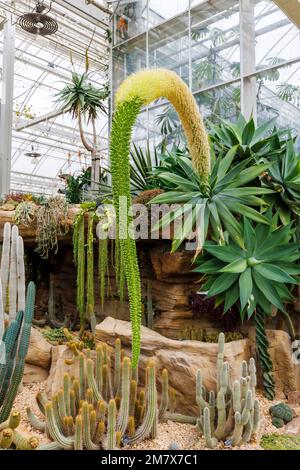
x,y
59,367
293,427
286,373
294,398
181,358
34,374
39,351
166,264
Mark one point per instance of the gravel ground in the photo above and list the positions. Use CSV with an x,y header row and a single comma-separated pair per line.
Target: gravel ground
x,y
184,435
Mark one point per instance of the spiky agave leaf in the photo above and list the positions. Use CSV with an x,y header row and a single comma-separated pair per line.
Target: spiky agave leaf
x,y
255,276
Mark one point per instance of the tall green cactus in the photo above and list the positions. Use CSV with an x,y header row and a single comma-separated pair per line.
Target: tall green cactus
x,y
234,416
100,410
16,340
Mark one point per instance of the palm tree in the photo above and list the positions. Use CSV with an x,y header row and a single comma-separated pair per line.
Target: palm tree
x,y
85,102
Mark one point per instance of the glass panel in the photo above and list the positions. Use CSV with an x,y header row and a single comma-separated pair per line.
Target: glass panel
x,y
162,10
215,43
277,38
278,95
127,59
165,128
169,46
221,102
130,19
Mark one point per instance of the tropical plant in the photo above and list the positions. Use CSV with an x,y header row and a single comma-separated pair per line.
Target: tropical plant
x,y
85,102
283,176
75,186
135,92
212,207
250,140
289,93
255,277
142,175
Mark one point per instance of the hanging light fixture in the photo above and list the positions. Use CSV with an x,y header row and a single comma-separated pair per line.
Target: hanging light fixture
x,y
34,155
38,22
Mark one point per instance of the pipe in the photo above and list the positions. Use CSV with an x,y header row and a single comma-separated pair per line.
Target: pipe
x,y
98,5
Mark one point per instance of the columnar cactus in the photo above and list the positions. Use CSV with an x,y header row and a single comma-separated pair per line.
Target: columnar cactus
x,y
10,435
97,411
233,417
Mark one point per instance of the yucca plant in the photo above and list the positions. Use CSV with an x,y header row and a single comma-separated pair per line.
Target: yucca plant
x,y
255,277
248,139
212,207
283,176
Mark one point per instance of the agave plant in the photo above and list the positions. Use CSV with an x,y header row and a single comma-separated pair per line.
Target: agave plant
x,y
214,206
284,177
142,175
255,275
249,140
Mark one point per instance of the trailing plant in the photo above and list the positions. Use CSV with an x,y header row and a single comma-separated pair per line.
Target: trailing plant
x,y
265,361
10,437
254,276
100,410
52,222
212,207
25,213
85,277
231,414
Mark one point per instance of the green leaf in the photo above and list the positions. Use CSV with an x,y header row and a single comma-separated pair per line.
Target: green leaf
x,y
223,253
248,132
231,296
249,174
237,266
267,289
274,273
245,284
222,283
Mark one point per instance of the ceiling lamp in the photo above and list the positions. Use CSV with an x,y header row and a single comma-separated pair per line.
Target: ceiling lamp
x,y
34,155
38,22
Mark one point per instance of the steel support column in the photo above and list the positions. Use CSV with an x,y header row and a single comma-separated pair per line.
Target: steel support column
x,y
247,53
6,116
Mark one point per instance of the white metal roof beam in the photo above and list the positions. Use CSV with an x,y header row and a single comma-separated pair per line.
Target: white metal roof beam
x,y
88,12
291,8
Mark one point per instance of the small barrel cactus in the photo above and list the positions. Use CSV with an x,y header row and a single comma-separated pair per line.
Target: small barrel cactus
x,y
281,414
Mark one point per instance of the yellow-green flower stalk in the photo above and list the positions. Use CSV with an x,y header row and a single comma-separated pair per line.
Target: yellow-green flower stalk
x,y
150,85
135,92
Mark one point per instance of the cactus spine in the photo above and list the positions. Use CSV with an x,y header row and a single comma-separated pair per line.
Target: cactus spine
x,y
237,401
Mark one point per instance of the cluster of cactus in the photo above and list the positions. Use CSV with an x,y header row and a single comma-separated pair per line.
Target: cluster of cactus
x,y
11,437
281,414
199,334
103,408
16,326
231,414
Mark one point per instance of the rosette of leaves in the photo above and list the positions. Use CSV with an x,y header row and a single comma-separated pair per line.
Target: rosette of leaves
x,y
255,277
248,139
283,176
214,206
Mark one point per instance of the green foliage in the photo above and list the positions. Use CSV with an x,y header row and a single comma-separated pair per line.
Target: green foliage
x,y
256,274
123,121
280,442
249,140
90,297
79,260
81,97
75,186
54,335
142,175
283,176
213,206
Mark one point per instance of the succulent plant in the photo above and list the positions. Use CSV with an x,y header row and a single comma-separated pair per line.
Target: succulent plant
x,y
100,409
231,413
281,414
